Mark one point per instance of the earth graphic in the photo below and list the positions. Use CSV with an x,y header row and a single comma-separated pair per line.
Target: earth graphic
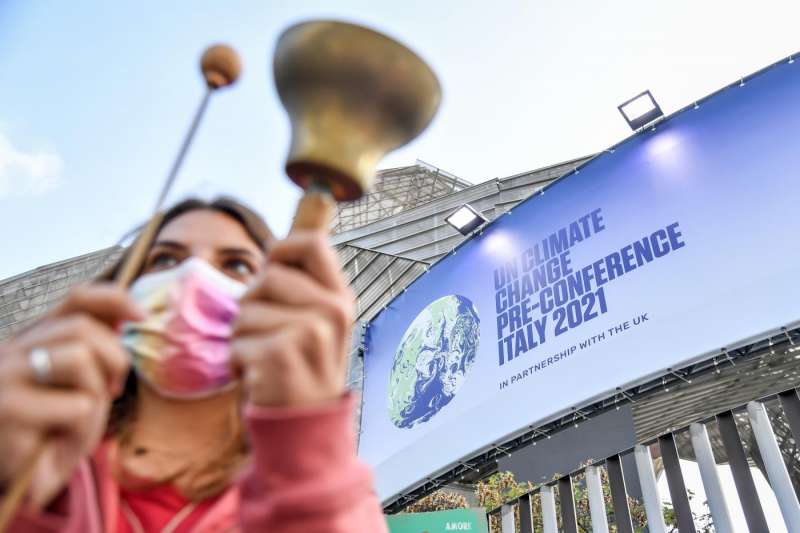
x,y
432,360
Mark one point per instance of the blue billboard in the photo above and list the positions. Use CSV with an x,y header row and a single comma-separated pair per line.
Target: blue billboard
x,y
679,242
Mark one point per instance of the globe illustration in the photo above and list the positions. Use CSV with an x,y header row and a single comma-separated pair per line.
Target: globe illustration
x,y
432,360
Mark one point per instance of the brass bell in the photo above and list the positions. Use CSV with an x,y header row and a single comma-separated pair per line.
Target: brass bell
x,y
352,95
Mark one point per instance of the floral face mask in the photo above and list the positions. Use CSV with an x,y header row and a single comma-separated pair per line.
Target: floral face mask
x,y
182,348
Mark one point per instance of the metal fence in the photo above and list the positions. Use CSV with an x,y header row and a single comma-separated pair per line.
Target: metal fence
x,y
605,505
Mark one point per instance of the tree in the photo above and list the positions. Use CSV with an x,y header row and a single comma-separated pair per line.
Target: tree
x,y
498,489
441,500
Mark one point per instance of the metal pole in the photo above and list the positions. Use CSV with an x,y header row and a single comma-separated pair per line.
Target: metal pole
x,y
568,520
677,488
525,513
507,518
619,495
647,479
597,505
791,408
774,465
187,142
711,482
742,477
549,521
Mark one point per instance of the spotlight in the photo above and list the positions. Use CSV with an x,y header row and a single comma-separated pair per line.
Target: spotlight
x,y
640,110
465,219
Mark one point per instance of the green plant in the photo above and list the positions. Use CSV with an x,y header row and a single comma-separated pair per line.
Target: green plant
x,y
441,500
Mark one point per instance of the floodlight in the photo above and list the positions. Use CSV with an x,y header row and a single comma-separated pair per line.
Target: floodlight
x,y
465,219
640,110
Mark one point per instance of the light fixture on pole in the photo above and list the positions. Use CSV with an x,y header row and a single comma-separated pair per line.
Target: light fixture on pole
x,y
465,219
640,110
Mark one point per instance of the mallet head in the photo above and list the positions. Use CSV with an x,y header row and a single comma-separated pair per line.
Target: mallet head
x,y
220,65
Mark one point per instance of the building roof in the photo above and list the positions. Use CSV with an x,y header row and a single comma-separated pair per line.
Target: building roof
x,y
26,296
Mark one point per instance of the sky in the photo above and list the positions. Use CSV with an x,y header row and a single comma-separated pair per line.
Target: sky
x,y
96,96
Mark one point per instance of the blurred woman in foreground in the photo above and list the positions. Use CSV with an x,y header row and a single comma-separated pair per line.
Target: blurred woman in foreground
x,y
234,416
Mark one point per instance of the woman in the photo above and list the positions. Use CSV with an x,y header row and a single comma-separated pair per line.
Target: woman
x,y
234,416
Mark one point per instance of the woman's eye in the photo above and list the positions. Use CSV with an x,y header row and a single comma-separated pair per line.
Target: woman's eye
x,y
163,261
239,267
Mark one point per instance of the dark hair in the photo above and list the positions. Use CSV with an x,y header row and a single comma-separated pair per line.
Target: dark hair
x,y
124,407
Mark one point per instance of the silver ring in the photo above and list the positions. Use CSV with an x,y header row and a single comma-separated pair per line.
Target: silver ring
x,y
41,364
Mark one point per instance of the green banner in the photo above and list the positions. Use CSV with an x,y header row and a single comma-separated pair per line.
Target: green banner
x,y
473,520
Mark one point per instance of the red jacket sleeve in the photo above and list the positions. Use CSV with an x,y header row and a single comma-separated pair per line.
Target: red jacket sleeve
x,y
305,475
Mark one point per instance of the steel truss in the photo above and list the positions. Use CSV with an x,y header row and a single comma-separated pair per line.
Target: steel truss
x,y
396,190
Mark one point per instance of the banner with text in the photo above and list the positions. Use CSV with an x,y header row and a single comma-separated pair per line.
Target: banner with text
x,y
472,520
679,242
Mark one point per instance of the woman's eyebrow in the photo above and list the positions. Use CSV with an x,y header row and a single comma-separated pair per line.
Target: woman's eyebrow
x,y
170,244
236,251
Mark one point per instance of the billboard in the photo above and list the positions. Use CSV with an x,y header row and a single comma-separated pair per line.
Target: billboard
x,y
439,521
679,242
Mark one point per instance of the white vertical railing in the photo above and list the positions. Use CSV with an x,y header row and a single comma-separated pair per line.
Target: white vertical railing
x,y
549,520
774,465
597,504
647,479
720,512
507,519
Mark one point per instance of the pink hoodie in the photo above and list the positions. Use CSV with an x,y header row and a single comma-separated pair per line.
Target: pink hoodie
x,y
304,477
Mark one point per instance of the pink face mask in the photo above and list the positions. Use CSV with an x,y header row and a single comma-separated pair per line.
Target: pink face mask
x,y
182,348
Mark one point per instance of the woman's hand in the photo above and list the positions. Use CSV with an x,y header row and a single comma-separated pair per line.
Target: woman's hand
x,y
69,404
292,337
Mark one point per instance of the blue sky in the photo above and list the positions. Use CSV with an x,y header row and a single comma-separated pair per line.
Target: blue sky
x,y
96,96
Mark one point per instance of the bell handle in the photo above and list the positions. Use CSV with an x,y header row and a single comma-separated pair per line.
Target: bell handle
x,y
315,209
